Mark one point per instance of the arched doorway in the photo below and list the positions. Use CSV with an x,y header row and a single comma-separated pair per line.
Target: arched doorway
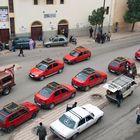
x,y
36,30
63,27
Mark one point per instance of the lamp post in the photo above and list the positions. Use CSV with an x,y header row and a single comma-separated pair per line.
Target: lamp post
x,y
103,16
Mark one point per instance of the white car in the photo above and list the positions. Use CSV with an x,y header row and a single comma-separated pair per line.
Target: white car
x,y
74,121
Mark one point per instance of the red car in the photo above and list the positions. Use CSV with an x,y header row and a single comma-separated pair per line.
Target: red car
x,y
13,115
137,55
78,54
54,93
88,78
119,65
46,68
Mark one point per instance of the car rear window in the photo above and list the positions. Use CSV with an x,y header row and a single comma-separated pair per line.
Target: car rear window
x,y
46,92
114,64
74,53
67,121
42,66
2,118
82,76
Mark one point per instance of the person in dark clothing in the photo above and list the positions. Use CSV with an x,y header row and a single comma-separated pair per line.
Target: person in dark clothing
x,y
41,132
119,97
103,38
74,105
98,38
21,51
1,46
90,31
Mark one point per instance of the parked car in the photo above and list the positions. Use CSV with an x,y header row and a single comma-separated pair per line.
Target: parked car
x,y
123,85
137,55
7,80
58,40
54,93
46,68
73,122
78,54
12,115
88,78
120,65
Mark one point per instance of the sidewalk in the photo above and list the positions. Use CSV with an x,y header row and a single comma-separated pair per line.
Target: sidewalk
x,y
85,40
26,132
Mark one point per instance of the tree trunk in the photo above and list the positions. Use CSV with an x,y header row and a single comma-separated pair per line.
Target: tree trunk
x,y
133,25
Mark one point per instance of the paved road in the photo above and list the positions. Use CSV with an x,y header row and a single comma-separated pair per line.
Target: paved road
x,y
102,54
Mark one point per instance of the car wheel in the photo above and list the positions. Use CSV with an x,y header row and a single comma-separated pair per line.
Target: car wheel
x,y
99,119
74,136
48,46
65,44
51,106
42,78
87,88
6,91
34,115
73,95
10,129
131,93
104,81
60,71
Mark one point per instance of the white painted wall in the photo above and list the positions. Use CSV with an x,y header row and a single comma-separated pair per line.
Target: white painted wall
x,y
74,11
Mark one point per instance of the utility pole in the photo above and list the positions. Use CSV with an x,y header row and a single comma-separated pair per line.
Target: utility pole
x,y
103,15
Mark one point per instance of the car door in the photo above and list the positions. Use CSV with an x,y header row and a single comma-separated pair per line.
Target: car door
x,y
61,41
89,121
81,125
86,54
65,93
92,80
55,41
13,119
49,70
55,68
80,57
57,97
122,67
98,78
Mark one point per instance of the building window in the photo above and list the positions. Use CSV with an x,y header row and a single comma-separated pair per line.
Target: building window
x,y
61,1
35,2
49,1
107,10
12,26
11,6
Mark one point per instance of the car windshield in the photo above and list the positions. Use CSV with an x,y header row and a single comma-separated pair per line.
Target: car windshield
x,y
2,118
114,64
74,53
67,121
42,66
82,76
46,92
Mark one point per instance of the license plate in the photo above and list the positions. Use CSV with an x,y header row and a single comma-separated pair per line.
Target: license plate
x,y
112,70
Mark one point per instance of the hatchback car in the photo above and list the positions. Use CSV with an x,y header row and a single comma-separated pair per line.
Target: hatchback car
x,y
78,54
46,68
88,78
14,114
54,93
137,55
73,122
58,40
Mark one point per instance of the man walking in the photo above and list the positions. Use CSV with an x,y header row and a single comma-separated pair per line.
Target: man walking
x,y
90,31
119,97
21,51
41,132
138,115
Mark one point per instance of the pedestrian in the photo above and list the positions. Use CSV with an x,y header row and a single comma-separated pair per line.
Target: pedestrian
x,y
116,27
138,115
119,97
74,105
21,51
90,31
41,132
1,46
98,38
31,44
102,38
10,43
108,36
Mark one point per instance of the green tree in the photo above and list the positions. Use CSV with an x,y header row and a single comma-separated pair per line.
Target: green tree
x,y
96,18
132,15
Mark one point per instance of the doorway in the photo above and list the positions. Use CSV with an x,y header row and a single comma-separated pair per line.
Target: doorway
x,y
4,35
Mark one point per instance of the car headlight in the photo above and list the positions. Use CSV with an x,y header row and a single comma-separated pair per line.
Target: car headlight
x,y
36,75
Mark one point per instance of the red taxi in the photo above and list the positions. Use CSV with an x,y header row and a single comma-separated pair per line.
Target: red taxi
x,y
53,93
119,65
78,54
88,78
137,55
46,68
14,114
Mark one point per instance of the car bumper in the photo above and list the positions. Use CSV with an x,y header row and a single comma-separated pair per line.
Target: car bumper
x,y
66,61
44,106
137,57
34,77
78,87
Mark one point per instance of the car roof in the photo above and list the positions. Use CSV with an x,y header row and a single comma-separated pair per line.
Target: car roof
x,y
3,74
88,71
10,108
54,85
120,59
48,61
80,49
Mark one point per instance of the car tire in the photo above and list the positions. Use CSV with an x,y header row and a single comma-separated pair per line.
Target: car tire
x,y
65,45
48,46
34,115
73,95
87,88
61,70
131,93
51,106
104,81
42,78
10,129
74,136
6,91
99,120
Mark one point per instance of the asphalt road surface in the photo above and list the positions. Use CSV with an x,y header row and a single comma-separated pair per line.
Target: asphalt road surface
x,y
115,119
